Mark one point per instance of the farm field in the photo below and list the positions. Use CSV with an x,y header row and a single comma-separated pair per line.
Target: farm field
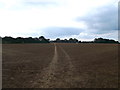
x,y
60,65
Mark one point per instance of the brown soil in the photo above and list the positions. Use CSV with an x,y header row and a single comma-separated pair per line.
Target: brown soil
x,y
60,65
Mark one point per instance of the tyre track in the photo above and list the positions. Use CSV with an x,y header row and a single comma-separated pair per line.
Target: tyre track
x,y
68,59
48,73
70,72
52,76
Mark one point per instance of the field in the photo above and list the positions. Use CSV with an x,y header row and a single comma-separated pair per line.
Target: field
x,y
60,65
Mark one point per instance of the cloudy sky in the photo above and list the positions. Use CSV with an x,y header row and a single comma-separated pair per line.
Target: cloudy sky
x,y
81,19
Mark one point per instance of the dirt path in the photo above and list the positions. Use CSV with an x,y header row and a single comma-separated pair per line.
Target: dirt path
x,y
59,73
68,68
48,73
50,70
68,59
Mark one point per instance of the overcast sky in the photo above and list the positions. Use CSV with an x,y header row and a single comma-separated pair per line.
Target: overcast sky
x,y
81,19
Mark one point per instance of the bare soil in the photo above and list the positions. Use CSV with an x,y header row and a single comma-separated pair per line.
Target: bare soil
x,y
60,65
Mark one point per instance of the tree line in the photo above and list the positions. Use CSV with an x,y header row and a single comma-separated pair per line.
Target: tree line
x,y
42,39
96,40
24,40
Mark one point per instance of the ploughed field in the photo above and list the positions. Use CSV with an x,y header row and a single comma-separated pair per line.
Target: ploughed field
x,y
60,65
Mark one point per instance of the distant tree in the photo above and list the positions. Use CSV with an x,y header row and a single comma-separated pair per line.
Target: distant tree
x,y
8,39
19,40
71,40
79,41
75,40
65,40
41,37
58,40
43,40
101,40
48,39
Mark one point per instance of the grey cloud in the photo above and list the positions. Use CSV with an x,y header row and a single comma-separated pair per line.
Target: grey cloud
x,y
102,20
54,32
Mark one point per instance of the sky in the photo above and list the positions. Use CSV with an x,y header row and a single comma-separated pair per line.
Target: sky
x,y
81,19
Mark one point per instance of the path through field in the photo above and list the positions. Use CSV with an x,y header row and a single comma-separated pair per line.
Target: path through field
x,y
48,73
56,71
60,65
